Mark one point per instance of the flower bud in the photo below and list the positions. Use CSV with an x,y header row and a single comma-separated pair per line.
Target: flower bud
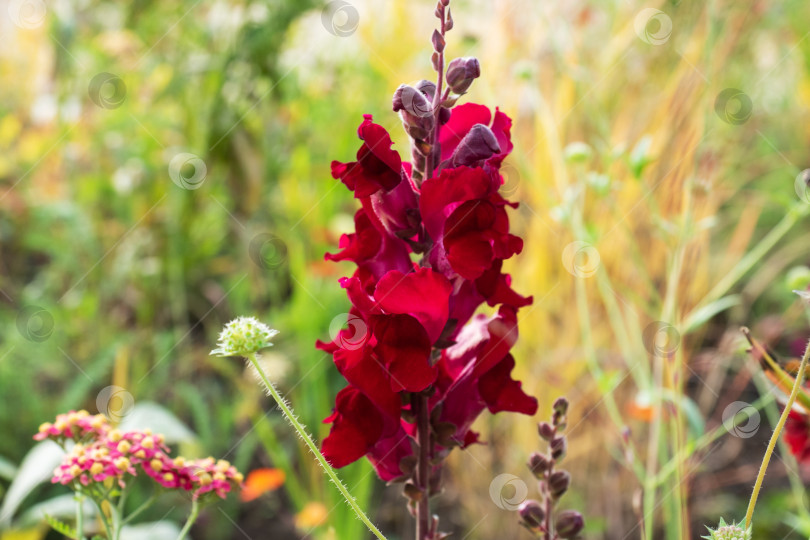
x,y
561,405
569,523
241,337
478,144
559,445
538,464
438,41
545,430
415,110
461,72
532,515
428,88
558,483
412,102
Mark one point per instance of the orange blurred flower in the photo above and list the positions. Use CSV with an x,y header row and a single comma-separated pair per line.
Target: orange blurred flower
x,y
312,515
260,481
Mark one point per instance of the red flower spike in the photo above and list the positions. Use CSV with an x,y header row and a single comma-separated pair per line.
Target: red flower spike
x,y
411,328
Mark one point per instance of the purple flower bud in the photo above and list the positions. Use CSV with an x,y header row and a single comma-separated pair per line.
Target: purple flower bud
x,y
532,515
559,445
412,101
479,144
438,41
428,88
538,464
561,405
558,483
415,110
545,430
569,523
461,72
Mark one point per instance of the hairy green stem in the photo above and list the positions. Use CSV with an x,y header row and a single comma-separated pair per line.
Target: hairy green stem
x,y
302,432
775,437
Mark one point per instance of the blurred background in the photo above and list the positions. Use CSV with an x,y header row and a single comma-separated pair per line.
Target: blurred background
x,y
164,167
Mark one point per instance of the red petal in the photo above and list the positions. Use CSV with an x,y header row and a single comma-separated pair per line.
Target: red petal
x,y
502,393
356,427
462,119
424,294
404,347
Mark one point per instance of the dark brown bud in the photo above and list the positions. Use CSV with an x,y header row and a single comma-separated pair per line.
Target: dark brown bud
x,y
412,491
478,144
438,41
532,515
448,25
461,72
559,445
558,483
434,59
538,464
545,430
569,523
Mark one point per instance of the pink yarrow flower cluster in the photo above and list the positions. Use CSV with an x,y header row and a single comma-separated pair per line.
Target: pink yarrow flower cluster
x,y
101,454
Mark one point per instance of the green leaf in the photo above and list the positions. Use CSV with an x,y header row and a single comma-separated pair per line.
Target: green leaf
x,y
61,507
7,469
37,467
60,526
149,415
158,530
703,314
639,157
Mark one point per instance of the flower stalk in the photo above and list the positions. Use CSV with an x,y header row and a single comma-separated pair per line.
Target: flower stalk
x,y
775,437
302,433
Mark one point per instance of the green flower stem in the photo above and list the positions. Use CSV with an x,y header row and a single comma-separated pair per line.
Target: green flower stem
x,y
195,511
103,517
775,437
79,514
302,432
140,509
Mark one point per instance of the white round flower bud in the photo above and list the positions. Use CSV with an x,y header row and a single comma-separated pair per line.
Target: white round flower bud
x,y
244,336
